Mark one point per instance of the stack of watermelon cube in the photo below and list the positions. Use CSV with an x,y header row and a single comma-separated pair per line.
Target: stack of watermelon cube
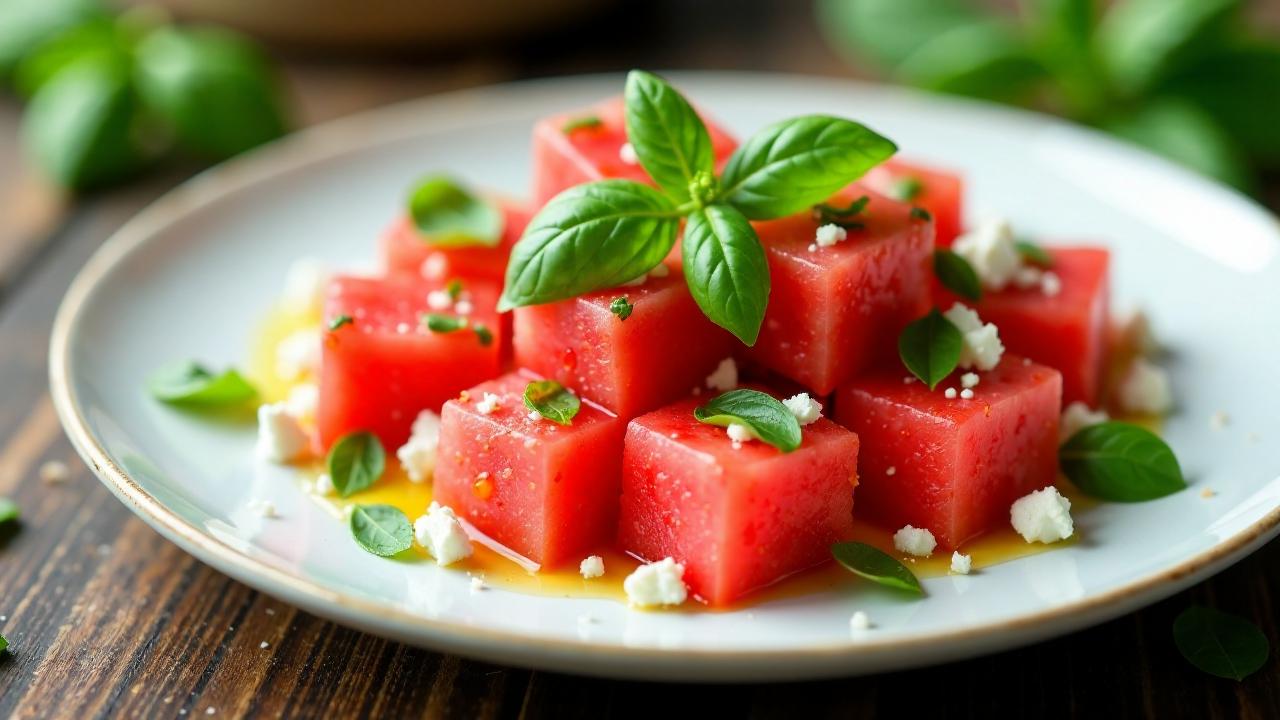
x,y
634,469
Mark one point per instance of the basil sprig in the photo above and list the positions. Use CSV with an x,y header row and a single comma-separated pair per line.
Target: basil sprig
x,y
1034,253
930,348
355,462
552,401
956,274
447,214
1219,643
191,384
1121,462
875,565
767,417
605,233
383,530
9,510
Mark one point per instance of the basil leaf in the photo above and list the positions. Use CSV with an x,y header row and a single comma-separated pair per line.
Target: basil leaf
x,y
622,308
589,237
726,270
446,214
1186,134
26,25
987,59
552,401
98,42
339,321
355,462
888,31
213,87
771,421
581,123
9,510
794,164
930,348
669,138
437,323
483,334
1219,643
919,213
1034,253
871,563
1237,86
383,530
189,383
1143,41
906,188
1120,462
81,127
956,274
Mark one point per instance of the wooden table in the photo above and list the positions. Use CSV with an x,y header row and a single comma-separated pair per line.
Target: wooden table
x,y
106,618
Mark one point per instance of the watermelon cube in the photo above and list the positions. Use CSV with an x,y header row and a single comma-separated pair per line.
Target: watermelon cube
x,y
836,310
1065,329
953,466
738,518
661,352
404,250
547,491
380,370
941,192
564,158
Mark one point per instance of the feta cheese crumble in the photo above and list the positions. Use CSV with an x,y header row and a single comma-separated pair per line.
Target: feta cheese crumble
x,y
992,251
439,300
280,436
304,400
966,394
592,567
982,348
969,380
627,154
324,484
914,541
463,307
740,433
658,583
1050,284
829,234
1145,388
418,455
961,564
859,622
1076,417
440,533
724,377
806,409
298,354
304,286
1043,516
488,403
949,393
477,583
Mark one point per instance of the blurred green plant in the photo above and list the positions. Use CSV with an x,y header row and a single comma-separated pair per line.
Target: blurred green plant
x,y
111,95
1185,78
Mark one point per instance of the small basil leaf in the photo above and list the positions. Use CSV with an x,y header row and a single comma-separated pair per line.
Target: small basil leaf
x,y
930,348
669,138
1120,462
919,213
771,421
26,25
437,323
589,237
189,383
622,308
906,188
956,274
9,510
888,31
581,123
81,127
1219,643
1033,253
797,163
383,530
726,270
552,401
1186,134
446,214
339,321
213,87
1143,41
483,334
987,59
871,563
355,462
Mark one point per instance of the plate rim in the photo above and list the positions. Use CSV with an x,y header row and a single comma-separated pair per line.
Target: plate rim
x,y
396,121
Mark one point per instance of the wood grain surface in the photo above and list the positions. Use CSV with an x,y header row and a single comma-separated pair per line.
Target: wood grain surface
x,y
107,619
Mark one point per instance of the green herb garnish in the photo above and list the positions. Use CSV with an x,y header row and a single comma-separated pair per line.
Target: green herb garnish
x,y
9,510
906,188
4,643
438,323
871,563
919,213
581,123
446,214
1219,643
191,384
383,530
622,308
956,274
824,214
355,462
1033,253
339,321
767,417
1121,462
454,288
552,401
483,334
605,233
930,348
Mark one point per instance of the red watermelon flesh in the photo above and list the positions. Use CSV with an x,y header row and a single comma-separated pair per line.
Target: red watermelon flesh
x,y
405,251
941,192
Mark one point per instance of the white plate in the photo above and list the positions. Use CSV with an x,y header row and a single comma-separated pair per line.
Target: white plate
x,y
191,275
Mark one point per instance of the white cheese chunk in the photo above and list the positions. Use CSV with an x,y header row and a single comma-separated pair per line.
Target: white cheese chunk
x,y
303,400
280,435
966,394
859,622
658,583
970,380
488,403
1050,284
324,484
740,433
592,567
992,251
1043,516
914,541
627,154
982,348
806,409
829,234
418,455
961,564
1145,388
440,533
298,354
724,377
439,300
1076,417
